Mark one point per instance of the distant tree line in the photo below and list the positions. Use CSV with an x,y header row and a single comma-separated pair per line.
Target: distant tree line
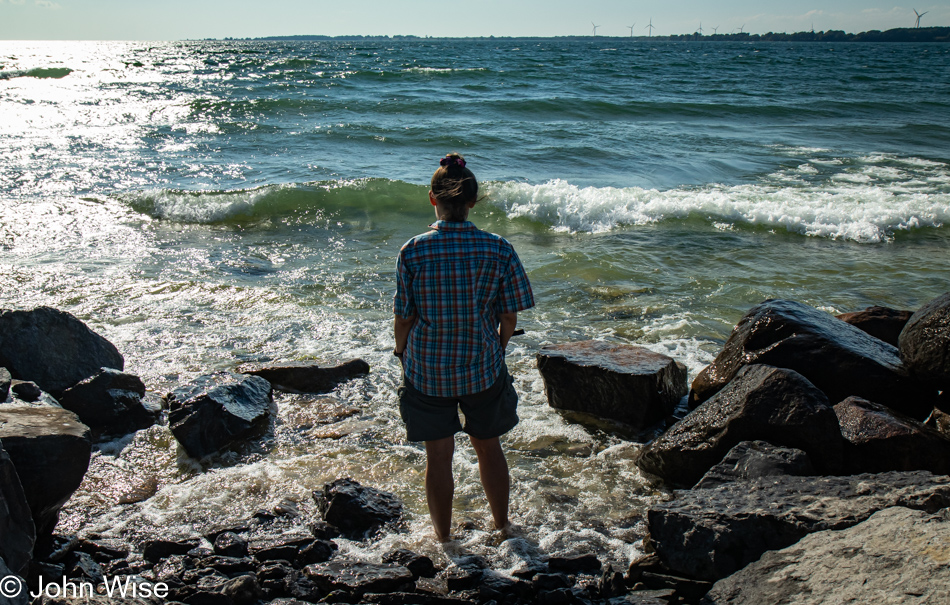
x,y
901,34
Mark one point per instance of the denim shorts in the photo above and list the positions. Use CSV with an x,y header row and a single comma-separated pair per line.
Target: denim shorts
x,y
490,413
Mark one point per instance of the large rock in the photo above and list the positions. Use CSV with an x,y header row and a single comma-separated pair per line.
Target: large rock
x,y
308,377
358,578
218,410
897,556
357,510
882,323
626,383
761,403
753,459
13,590
709,534
111,402
881,440
17,532
836,357
52,348
50,449
925,342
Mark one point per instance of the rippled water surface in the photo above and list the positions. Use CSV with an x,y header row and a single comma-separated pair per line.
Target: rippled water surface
x,y
206,204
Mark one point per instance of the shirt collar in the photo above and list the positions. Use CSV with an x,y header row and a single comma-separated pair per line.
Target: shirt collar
x,y
453,226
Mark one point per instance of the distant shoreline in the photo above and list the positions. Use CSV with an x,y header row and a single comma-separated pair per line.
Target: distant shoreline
x,y
901,34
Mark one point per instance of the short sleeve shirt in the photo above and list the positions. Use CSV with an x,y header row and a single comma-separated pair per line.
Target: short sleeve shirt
x,y
457,279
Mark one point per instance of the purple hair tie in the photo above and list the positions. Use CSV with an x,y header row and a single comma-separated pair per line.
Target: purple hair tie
x,y
448,161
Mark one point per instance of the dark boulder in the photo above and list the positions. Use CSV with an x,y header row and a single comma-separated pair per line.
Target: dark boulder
x,y
752,459
356,510
621,382
881,440
896,556
586,563
50,449
358,578
26,390
940,422
229,544
836,357
419,565
52,348
882,323
243,590
308,377
158,549
111,402
709,534
17,532
761,403
218,410
285,546
925,343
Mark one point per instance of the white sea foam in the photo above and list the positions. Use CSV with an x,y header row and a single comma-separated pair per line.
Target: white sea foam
x,y
866,203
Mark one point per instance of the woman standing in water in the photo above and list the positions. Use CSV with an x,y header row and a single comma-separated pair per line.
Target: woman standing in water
x,y
458,293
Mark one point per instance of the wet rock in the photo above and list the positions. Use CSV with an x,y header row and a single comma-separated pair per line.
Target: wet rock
x,y
357,510
421,566
751,459
501,589
574,564
550,581
611,583
110,402
83,567
17,532
229,544
229,566
156,550
646,597
103,549
317,551
626,383
882,323
243,590
50,450
925,343
218,410
9,584
27,391
285,547
881,440
308,377
856,565
52,348
358,578
761,403
687,589
708,534
413,598
557,596
836,357
940,422
5,379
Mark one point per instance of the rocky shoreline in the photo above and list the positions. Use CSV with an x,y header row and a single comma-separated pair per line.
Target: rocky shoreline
x,y
812,466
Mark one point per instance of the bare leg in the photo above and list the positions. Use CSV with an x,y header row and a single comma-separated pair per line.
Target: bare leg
x,y
493,470
440,486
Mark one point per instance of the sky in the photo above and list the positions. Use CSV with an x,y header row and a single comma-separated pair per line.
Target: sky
x,y
195,19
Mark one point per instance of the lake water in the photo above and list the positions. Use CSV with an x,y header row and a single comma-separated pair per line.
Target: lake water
x,y
207,204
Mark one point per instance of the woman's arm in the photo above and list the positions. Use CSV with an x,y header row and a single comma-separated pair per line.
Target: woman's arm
x,y
508,322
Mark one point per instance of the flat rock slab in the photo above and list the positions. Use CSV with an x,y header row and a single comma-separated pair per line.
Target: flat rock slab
x,y
52,348
881,440
836,357
761,403
754,459
358,577
925,342
626,383
882,323
897,556
218,410
308,377
50,450
709,534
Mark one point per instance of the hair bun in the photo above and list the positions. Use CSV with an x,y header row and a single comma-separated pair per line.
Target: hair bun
x,y
453,159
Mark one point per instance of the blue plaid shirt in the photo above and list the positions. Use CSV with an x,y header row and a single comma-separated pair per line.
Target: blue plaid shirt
x,y
457,279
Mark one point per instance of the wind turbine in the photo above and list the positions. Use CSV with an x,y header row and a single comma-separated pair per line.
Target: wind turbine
x,y
700,30
595,28
650,26
919,15
741,27
630,27
715,30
